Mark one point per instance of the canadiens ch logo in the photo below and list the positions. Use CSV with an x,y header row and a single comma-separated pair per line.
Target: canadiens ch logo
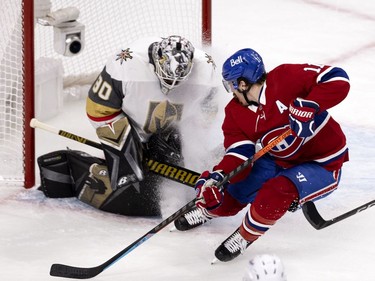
x,y
285,148
124,55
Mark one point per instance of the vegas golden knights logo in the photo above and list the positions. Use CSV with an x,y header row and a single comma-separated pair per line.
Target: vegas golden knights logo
x,y
124,55
161,115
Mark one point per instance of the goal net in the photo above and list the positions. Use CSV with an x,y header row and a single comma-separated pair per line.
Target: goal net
x,y
12,84
107,26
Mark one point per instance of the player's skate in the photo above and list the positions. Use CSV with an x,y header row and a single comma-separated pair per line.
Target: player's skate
x,y
191,219
231,247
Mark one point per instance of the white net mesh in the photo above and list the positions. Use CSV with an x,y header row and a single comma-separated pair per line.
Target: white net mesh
x,y
11,93
109,25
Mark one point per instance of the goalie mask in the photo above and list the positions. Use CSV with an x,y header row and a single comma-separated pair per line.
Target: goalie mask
x,y
173,60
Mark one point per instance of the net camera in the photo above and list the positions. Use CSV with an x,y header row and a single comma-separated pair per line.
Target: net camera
x,y
69,34
69,38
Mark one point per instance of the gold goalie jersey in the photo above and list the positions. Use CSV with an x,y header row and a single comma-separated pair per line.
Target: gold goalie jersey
x,y
129,86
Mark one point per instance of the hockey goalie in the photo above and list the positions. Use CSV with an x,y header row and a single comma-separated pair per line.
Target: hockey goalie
x,y
136,105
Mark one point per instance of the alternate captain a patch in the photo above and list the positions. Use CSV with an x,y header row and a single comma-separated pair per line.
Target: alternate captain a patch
x,y
162,115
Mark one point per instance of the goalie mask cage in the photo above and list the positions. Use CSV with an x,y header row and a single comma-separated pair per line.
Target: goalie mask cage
x,y
109,25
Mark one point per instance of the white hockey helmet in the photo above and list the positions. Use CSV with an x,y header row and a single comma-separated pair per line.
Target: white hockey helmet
x,y
265,268
173,60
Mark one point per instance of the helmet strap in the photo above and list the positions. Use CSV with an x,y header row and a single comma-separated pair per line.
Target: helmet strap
x,y
244,93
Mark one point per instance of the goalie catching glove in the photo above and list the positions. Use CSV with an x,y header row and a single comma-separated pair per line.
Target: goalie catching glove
x,y
209,196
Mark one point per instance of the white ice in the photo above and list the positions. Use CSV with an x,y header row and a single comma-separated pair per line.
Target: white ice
x,y
36,232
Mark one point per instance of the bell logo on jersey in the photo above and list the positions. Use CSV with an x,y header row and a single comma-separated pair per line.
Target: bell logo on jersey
x,y
234,62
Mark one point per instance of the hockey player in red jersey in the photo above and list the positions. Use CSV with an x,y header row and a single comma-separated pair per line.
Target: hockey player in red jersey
x,y
305,166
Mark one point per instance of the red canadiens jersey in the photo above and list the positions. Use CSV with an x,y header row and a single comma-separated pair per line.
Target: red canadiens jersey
x,y
245,126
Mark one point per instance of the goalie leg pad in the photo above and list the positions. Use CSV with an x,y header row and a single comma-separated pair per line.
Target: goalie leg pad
x,y
69,173
55,178
137,199
63,172
97,186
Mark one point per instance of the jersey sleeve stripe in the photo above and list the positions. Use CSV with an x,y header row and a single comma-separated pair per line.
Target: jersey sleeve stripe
x,y
332,74
333,156
240,143
238,156
242,150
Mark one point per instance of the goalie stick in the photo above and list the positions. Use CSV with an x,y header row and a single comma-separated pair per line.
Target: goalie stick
x,y
315,219
61,270
166,170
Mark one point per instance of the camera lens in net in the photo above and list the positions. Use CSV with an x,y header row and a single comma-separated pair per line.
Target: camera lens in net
x,y
74,44
75,47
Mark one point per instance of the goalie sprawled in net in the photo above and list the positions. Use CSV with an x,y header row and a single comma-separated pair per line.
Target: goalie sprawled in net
x,y
136,105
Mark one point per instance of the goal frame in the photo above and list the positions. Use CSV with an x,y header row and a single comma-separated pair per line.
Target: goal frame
x,y
28,92
29,156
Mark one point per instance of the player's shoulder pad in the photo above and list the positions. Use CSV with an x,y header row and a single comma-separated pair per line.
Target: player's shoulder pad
x,y
204,69
285,71
204,58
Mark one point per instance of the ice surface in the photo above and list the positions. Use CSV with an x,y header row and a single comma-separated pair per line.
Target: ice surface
x,y
36,232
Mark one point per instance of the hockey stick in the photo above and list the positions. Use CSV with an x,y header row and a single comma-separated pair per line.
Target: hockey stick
x,y
67,271
166,170
315,219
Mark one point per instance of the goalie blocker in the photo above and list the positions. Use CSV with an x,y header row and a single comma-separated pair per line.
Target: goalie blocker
x,y
132,191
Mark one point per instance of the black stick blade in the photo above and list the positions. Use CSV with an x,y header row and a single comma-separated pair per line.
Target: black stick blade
x,y
312,215
316,220
61,270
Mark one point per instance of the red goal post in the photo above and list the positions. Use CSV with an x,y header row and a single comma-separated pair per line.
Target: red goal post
x,y
108,25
